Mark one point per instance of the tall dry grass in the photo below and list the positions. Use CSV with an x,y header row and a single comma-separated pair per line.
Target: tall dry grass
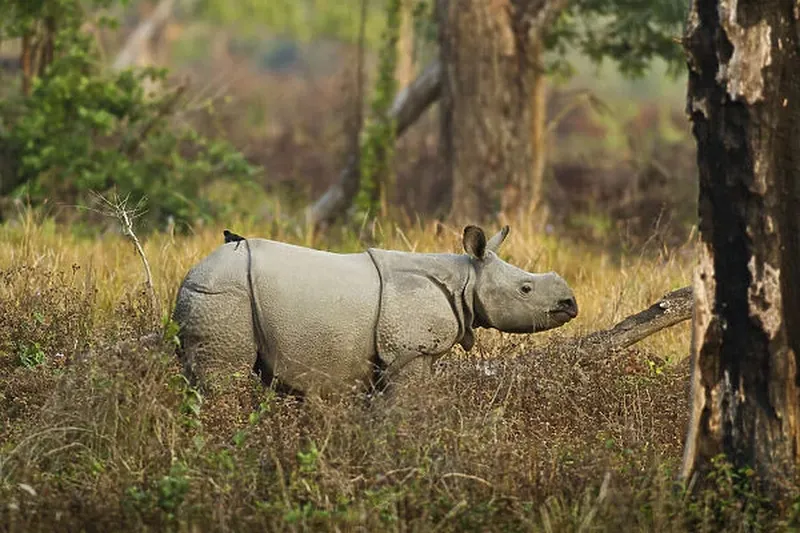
x,y
99,431
609,285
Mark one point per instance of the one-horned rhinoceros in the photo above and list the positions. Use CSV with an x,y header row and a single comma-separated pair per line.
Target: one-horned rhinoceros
x,y
315,320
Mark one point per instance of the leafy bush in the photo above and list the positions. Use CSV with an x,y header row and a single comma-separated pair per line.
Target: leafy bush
x,y
83,129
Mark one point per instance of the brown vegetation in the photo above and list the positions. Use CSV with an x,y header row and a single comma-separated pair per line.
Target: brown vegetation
x,y
100,432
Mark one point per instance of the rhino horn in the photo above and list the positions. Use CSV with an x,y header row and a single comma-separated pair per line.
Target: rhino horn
x,y
494,243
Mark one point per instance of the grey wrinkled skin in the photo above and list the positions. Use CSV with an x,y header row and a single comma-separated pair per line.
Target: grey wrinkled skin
x,y
316,321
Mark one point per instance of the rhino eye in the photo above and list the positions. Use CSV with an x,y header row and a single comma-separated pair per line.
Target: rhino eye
x,y
526,289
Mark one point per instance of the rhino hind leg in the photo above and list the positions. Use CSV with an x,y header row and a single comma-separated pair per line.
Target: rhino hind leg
x,y
263,370
217,345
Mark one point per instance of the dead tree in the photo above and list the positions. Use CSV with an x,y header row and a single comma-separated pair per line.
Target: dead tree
x,y
744,103
146,32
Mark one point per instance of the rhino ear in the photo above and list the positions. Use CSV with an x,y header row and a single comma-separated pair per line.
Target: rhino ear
x,y
494,243
474,242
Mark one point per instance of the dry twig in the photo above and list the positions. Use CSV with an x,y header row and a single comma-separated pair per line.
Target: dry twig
x,y
118,208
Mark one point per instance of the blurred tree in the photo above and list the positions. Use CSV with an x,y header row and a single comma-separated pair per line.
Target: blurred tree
x,y
493,56
493,59
377,145
404,73
487,53
744,102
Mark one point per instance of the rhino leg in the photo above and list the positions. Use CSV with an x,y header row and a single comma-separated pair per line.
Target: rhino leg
x,y
264,371
217,341
414,372
392,381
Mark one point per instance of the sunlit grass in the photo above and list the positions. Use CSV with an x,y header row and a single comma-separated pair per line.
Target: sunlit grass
x,y
608,286
97,426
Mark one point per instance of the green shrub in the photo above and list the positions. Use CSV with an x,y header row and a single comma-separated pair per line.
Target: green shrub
x,y
83,128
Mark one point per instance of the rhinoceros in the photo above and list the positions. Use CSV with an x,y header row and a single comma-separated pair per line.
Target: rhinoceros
x,y
311,320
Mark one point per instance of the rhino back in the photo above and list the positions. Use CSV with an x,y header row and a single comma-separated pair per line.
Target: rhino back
x,y
318,310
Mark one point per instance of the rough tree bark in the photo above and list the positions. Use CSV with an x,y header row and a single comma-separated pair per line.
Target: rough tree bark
x,y
522,194
744,103
487,50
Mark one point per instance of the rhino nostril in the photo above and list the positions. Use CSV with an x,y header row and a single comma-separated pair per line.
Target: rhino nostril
x,y
569,305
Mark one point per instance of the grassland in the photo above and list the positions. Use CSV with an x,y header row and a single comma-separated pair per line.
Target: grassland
x,y
99,431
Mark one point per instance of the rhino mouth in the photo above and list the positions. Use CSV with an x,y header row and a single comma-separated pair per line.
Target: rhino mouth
x,y
561,317
565,311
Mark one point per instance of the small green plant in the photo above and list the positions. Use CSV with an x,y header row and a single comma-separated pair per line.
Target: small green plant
x,y
191,401
163,497
30,354
172,489
729,496
308,459
171,331
655,368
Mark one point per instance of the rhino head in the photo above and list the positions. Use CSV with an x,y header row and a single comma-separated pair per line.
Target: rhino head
x,y
510,299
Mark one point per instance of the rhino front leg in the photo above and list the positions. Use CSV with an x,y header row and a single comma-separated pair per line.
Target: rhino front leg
x,y
399,383
415,371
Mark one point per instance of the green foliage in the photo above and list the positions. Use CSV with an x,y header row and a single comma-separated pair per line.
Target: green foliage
x,y
308,460
164,496
377,145
171,330
631,33
299,19
729,496
83,129
191,401
30,355
20,17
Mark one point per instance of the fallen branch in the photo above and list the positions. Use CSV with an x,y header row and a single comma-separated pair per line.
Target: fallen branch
x,y
671,309
408,106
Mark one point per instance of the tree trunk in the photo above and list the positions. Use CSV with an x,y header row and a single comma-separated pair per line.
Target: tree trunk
x,y
744,102
521,197
404,72
26,59
487,51
485,131
538,128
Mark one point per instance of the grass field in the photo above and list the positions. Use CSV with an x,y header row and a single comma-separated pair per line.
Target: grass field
x,y
99,431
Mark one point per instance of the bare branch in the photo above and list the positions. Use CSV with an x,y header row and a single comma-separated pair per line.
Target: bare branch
x,y
408,106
